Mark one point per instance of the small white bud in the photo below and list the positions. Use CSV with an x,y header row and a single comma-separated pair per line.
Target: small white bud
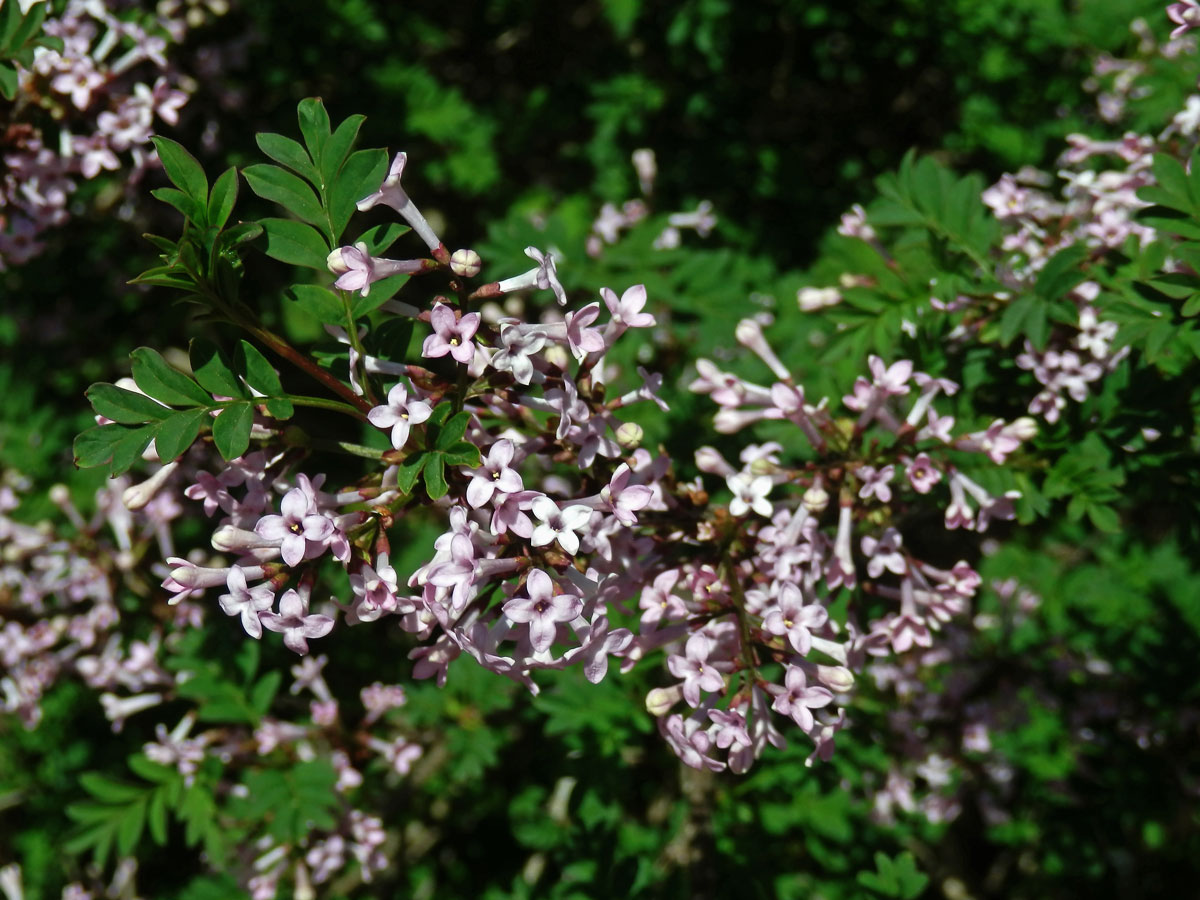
x,y
629,435
660,700
815,500
465,263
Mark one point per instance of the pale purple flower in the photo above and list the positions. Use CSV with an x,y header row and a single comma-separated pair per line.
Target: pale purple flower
x,y
245,601
628,309
517,344
797,699
693,669
391,194
884,553
542,610
623,499
599,644
922,474
559,525
543,277
659,601
890,380
875,482
300,529
399,414
1186,15
750,493
793,617
294,622
494,475
450,334
580,338
357,269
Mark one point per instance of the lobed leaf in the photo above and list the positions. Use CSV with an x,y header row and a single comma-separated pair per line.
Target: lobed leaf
x,y
289,153
127,407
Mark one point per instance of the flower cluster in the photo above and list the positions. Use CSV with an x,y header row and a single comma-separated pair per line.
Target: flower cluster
x,y
87,108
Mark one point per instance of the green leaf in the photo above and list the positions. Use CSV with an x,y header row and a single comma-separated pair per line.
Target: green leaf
x,y
213,371
281,186
183,169
338,147
178,432
1172,182
127,407
154,772
1025,315
231,429
319,302
8,80
462,453
290,153
10,22
409,469
193,210
453,430
264,692
104,788
435,476
160,380
257,371
381,237
223,198
295,243
156,817
314,126
1062,272
95,446
362,175
239,234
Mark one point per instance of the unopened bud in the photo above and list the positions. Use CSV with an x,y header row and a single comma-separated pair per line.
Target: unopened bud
x,y
660,700
335,263
1023,429
59,495
629,435
465,263
816,499
838,679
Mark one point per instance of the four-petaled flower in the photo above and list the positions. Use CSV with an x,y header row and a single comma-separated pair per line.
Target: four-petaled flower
x,y
542,610
691,668
246,601
299,526
559,524
400,414
797,699
1186,15
544,277
494,475
294,622
450,334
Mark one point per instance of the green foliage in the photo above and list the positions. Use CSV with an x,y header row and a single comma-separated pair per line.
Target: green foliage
x,y
248,379
444,446
897,877
20,36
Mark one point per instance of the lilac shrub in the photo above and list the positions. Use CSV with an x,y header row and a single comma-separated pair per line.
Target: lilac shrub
x,y
764,576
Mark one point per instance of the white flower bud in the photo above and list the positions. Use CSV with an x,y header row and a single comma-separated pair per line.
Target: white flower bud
x,y
815,500
810,299
838,679
1023,429
660,700
465,263
629,435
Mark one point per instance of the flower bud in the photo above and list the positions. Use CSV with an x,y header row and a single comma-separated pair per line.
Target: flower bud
x,y
660,700
629,435
816,499
465,263
335,263
1023,429
838,679
810,299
